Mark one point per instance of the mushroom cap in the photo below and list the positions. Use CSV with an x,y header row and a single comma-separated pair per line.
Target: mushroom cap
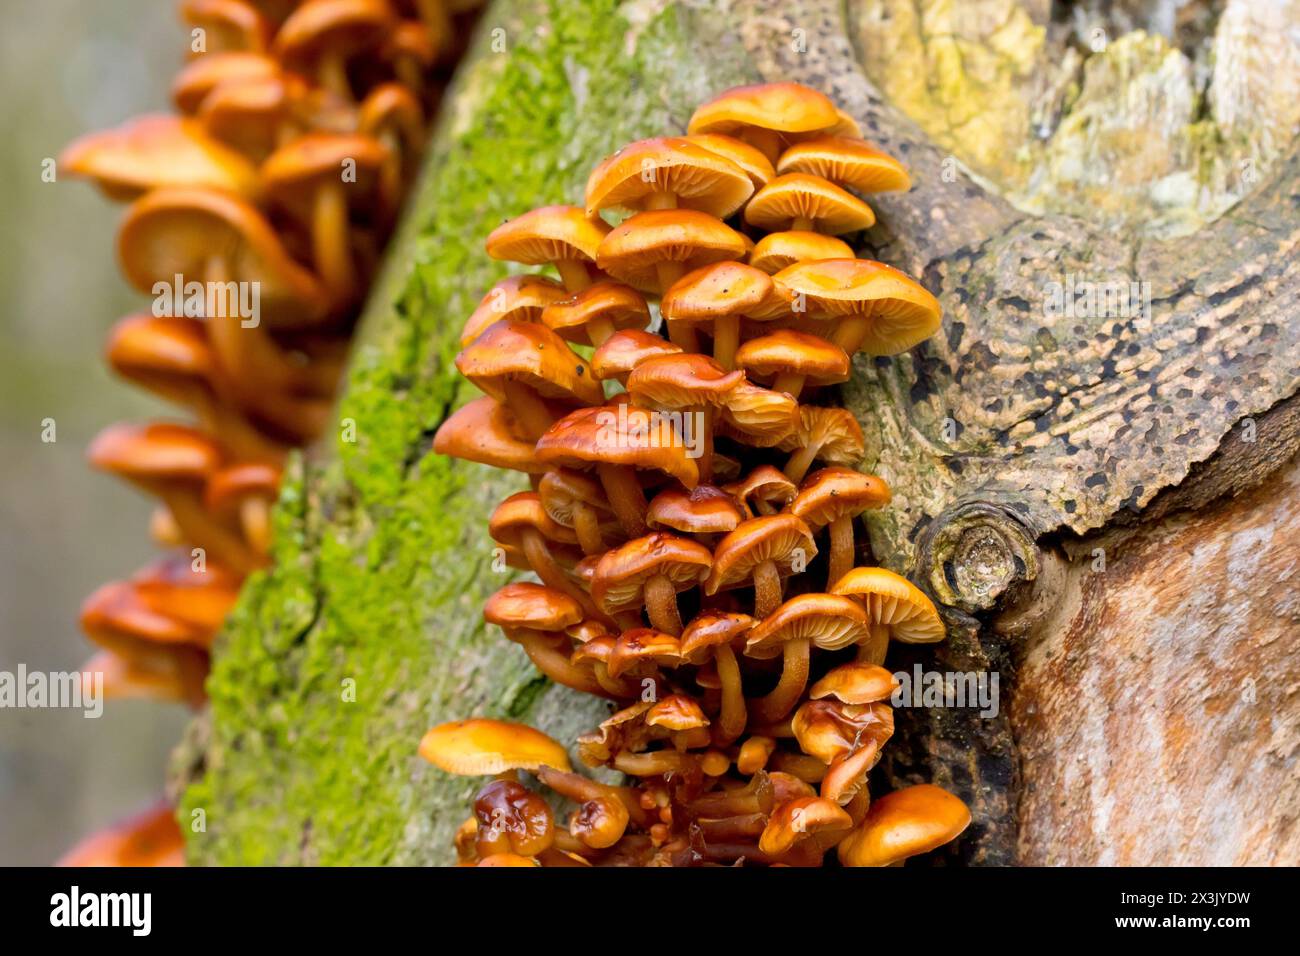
x,y
507,860
158,150
828,730
249,113
175,231
832,493
512,819
415,39
166,354
632,250
827,620
621,305
157,451
800,196
623,351
236,483
599,823
783,107
523,604
392,108
703,510
533,355
641,645
602,434
520,298
173,587
852,163
711,628
842,440
716,291
904,823
523,512
699,178
785,350
759,416
545,235
148,677
204,74
676,713
622,574
118,619
855,683
597,650
804,818
891,599
584,632
151,838
902,312
755,165
343,27
295,171
483,431
681,381
778,250
782,539
483,746
766,484
562,490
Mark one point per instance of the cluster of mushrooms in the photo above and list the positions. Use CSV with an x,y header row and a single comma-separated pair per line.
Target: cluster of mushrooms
x,y
692,504
300,129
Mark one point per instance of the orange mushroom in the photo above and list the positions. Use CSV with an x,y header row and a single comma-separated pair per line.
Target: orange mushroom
x,y
562,236
834,497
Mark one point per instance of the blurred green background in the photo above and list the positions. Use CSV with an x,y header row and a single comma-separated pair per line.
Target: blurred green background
x,y
68,66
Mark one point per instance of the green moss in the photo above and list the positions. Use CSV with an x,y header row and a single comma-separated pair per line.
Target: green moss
x,y
383,560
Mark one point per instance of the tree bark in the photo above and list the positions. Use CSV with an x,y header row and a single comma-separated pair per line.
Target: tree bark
x,y
1019,442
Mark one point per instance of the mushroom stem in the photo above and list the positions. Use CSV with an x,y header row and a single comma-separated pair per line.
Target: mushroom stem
x,y
731,721
797,467
794,678
650,764
850,332
803,224
544,565
333,75
841,562
613,685
586,524
659,199
575,786
681,334
661,605
726,338
530,411
556,664
330,243
873,651
806,768
255,520
238,437
625,496
755,753
767,590
200,530
735,828
573,274
599,329
790,382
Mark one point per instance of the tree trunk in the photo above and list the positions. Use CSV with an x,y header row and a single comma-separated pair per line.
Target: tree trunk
x,y
1099,494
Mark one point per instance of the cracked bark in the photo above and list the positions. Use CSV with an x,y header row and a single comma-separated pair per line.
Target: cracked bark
x,y
1019,441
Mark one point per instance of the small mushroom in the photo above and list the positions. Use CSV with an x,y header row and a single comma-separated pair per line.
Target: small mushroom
x,y
532,616
823,619
692,384
764,491
151,838
851,163
759,416
525,365
573,500
484,431
640,652
895,608
834,497
521,522
666,173
321,37
711,636
792,359
778,250
512,819
682,719
755,165
617,441
244,494
812,824
624,351
649,571
762,551
562,236
603,812
767,116
804,203
482,747
904,823
173,463
855,683
830,729
705,511
208,72
832,435
591,316
717,296
515,298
